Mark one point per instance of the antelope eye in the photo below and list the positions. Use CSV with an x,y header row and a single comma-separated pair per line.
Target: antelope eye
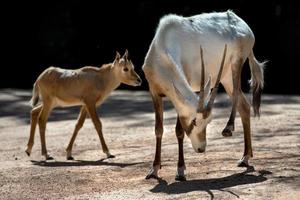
x,y
125,69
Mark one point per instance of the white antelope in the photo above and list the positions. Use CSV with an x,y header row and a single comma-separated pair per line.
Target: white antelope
x,y
172,68
87,87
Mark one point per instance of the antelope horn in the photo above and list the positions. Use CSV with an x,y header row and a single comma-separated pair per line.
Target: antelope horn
x,y
215,88
202,79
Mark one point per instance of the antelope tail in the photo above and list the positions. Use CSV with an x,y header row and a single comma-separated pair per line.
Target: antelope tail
x,y
35,95
256,82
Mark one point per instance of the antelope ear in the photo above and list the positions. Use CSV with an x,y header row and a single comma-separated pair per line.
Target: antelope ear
x,y
118,56
125,56
117,59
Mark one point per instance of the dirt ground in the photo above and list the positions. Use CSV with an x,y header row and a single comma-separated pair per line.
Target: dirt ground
x,y
128,126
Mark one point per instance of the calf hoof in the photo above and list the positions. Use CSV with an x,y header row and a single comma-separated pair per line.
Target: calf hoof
x,y
227,132
27,152
111,156
49,158
180,178
108,155
70,158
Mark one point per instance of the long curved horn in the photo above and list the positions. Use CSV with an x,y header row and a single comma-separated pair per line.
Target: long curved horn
x,y
202,79
215,88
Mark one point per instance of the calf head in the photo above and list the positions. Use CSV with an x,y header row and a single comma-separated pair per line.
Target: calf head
x,y
124,69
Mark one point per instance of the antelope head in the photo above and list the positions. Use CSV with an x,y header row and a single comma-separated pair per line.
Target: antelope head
x,y
125,70
197,129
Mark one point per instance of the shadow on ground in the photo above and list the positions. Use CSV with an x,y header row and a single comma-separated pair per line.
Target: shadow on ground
x,y
207,185
78,163
15,103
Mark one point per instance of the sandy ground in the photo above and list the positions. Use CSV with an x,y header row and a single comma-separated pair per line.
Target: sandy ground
x,y
128,126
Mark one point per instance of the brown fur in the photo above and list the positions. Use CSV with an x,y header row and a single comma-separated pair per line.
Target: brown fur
x,y
87,86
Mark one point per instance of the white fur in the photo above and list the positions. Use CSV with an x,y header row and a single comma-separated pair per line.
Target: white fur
x,y
245,160
174,54
198,132
173,63
196,143
202,123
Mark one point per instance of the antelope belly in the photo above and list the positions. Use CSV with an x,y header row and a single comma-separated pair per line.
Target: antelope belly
x,y
67,103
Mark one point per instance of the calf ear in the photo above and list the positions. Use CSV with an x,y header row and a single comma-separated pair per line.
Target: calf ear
x,y
125,56
118,56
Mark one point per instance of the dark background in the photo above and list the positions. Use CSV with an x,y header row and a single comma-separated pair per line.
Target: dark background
x,y
75,33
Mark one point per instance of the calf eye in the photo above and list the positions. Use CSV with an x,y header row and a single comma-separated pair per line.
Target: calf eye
x,y
125,69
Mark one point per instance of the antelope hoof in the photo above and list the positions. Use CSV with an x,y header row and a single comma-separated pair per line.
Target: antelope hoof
x,y
180,178
108,155
151,176
48,157
227,132
152,173
180,174
243,162
111,156
27,152
70,158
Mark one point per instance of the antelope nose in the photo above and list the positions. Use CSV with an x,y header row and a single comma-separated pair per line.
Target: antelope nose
x,y
201,150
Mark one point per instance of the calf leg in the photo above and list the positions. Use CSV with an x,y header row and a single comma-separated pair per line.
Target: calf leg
x,y
42,125
158,108
35,112
79,124
180,165
97,123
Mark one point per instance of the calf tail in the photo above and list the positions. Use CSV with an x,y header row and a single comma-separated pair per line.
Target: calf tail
x,y
35,95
